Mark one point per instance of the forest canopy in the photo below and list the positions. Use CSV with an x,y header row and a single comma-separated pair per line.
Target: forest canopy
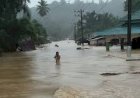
x,y
13,29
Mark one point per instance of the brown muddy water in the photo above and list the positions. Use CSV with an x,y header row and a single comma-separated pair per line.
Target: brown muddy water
x,y
34,74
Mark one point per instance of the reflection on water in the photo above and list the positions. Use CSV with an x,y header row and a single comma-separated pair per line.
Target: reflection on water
x,y
58,67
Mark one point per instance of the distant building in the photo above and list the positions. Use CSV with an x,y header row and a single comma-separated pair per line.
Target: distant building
x,y
116,34
97,41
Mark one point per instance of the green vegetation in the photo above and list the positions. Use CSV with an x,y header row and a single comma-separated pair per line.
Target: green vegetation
x,y
13,31
59,22
96,22
135,5
42,8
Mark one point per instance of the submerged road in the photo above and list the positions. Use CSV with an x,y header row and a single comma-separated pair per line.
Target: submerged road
x,y
34,74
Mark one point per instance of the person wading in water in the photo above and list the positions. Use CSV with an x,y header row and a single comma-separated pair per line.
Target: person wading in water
x,y
57,58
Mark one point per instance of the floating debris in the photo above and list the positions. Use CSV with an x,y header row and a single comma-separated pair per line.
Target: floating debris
x,y
56,45
86,48
135,73
110,74
79,48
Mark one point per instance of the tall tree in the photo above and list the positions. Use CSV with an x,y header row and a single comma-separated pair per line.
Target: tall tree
x,y
135,5
96,22
26,10
42,8
10,8
14,30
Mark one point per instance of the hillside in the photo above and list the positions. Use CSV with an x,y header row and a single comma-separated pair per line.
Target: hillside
x,y
59,21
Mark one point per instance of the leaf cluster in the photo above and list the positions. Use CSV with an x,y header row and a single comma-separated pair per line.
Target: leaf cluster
x,y
96,22
135,5
13,30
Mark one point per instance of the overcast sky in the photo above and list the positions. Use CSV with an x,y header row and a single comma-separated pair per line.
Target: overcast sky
x,y
34,2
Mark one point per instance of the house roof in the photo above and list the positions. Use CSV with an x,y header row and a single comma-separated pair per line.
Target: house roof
x,y
97,38
117,31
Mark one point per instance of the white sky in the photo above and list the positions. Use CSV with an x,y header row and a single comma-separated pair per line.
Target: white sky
x,y
34,2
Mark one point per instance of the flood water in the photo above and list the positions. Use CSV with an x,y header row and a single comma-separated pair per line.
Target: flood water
x,y
34,74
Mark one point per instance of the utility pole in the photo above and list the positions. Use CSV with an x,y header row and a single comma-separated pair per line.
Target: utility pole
x,y
81,23
81,13
129,29
75,32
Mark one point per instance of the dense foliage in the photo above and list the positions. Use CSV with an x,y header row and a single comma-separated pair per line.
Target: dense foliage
x,y
42,8
135,5
96,22
13,31
10,8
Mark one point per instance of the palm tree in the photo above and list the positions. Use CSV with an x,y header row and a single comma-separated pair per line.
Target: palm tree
x,y
42,8
25,9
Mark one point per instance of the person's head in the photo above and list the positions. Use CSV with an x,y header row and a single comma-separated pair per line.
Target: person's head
x,y
57,53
